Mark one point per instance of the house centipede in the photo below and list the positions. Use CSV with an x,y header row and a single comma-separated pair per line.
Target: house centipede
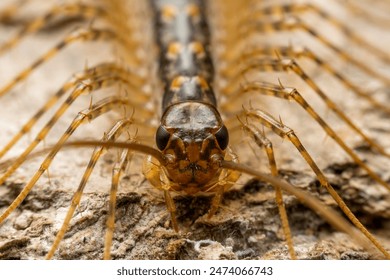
x,y
250,54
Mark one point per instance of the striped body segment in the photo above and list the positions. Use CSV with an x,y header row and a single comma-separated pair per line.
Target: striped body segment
x,y
185,64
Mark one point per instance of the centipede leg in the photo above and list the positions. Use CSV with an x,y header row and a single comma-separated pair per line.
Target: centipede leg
x,y
293,94
153,173
95,73
327,213
111,136
263,142
226,180
103,81
237,57
289,64
117,171
285,132
79,35
95,111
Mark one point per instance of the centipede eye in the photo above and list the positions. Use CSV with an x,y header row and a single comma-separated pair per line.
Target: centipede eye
x,y
222,136
162,138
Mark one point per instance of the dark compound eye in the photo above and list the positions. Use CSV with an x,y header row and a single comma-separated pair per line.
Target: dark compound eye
x,y
222,137
162,138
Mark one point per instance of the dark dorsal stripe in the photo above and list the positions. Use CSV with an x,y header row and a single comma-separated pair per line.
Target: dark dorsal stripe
x,y
185,63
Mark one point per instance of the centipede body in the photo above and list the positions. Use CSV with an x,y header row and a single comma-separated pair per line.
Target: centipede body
x,y
148,222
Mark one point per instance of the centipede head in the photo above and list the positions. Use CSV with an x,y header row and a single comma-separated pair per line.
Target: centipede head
x,y
193,140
